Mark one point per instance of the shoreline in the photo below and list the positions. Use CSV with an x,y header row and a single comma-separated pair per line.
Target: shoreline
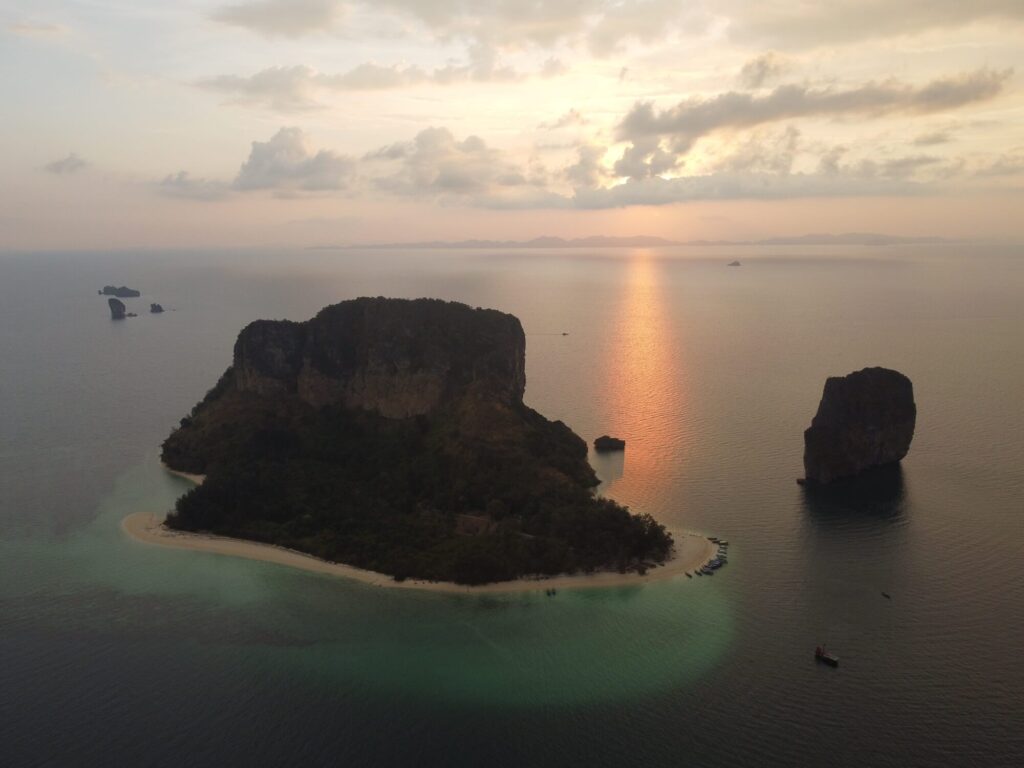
x,y
197,479
691,552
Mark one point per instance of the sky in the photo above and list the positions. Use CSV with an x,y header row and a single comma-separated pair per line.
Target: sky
x,y
243,123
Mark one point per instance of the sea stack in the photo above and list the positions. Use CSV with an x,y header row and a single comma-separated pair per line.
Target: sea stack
x,y
156,309
606,443
865,419
117,309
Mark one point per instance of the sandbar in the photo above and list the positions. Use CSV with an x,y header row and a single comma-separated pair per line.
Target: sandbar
x,y
692,551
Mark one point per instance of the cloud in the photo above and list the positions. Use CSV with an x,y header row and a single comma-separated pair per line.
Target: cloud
x,y
570,118
282,18
932,138
646,158
66,165
603,25
285,163
184,186
36,29
761,69
793,25
588,170
436,165
732,186
298,88
692,119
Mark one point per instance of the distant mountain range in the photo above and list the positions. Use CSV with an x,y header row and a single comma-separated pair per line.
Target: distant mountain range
x,y
644,241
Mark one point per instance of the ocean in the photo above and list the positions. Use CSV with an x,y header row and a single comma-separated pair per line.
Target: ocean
x,y
113,652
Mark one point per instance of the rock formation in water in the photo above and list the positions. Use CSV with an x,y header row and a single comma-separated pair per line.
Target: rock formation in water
x,y
156,309
734,264
606,443
122,293
117,309
370,434
865,419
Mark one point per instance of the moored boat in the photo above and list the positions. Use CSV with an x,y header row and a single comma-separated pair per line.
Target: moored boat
x,y
821,654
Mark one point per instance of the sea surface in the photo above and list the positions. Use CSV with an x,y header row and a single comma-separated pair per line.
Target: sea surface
x,y
115,653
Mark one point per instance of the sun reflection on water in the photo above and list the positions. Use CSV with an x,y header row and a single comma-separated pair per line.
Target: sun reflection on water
x,y
644,394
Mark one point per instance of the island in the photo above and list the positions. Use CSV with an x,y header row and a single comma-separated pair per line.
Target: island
x,y
606,443
865,420
734,264
391,435
122,292
155,309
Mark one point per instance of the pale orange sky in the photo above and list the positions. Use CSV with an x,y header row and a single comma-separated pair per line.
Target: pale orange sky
x,y
265,122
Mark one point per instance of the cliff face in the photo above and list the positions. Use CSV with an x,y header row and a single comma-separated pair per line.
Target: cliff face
x,y
865,419
397,358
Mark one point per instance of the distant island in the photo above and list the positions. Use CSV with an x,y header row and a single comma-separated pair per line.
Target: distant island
x,y
391,435
122,292
645,241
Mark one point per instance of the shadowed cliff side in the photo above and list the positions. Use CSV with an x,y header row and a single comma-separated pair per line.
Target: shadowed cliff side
x,y
392,435
865,419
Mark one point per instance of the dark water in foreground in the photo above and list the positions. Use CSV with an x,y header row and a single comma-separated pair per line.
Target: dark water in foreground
x,y
114,653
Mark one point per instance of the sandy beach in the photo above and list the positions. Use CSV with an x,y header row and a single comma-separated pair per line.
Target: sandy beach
x,y
691,552
197,479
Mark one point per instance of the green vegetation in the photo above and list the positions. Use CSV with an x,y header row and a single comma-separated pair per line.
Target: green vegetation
x,y
475,493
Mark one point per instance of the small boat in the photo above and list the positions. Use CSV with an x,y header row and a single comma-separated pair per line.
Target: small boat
x,y
723,542
822,655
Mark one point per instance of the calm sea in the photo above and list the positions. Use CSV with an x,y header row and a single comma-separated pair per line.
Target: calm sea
x,y
116,654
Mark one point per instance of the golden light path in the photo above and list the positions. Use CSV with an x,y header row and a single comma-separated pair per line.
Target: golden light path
x,y
644,395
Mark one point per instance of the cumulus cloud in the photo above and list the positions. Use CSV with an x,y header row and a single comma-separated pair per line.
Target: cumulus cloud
x,y
645,158
184,186
65,165
282,18
692,119
285,163
588,170
761,69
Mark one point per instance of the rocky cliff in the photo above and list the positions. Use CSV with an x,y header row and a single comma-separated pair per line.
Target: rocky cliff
x,y
365,434
865,419
117,309
398,358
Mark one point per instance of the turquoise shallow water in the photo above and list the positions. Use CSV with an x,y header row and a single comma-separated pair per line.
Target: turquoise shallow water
x,y
115,652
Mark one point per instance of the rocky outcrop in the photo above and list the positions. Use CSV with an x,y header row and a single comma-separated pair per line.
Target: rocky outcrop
x,y
865,419
117,309
156,309
396,357
122,292
734,264
606,443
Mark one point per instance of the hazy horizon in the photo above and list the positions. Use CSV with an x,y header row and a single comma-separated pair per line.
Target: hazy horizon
x,y
238,123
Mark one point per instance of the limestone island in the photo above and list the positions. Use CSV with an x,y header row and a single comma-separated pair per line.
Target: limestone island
x,y
391,435
121,293
865,420
118,311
